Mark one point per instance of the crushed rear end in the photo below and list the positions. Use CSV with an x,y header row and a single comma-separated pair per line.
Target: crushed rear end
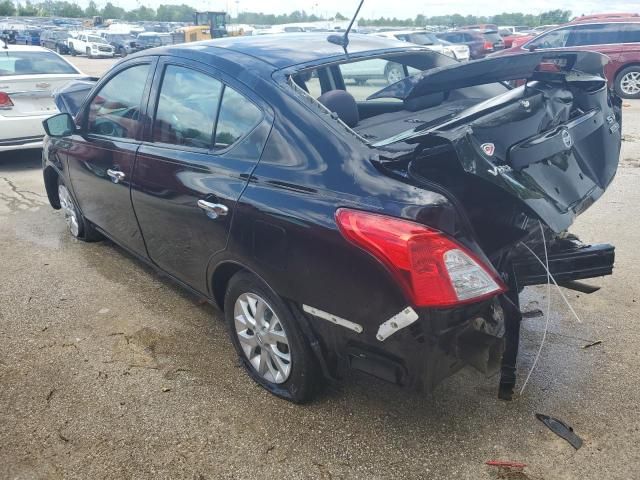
x,y
519,167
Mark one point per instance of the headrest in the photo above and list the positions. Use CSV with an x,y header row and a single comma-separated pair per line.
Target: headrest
x,y
343,104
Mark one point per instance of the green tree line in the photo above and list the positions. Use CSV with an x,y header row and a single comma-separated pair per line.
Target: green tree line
x,y
184,13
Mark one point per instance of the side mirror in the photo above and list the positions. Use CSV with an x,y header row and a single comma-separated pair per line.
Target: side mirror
x,y
532,48
60,125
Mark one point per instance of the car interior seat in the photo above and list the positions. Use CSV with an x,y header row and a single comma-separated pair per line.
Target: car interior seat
x,y
342,104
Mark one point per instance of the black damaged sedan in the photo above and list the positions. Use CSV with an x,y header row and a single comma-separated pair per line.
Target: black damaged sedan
x,y
384,227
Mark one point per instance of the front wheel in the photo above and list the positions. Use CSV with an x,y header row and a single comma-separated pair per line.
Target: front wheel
x,y
268,340
394,73
89,53
78,226
627,83
123,52
72,50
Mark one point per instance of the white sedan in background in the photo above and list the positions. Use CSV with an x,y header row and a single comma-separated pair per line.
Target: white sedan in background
x,y
420,37
28,77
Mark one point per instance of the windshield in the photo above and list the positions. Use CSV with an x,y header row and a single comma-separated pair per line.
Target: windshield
x,y
422,38
95,39
33,63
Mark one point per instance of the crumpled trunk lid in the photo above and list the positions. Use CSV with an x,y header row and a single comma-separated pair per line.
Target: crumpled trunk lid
x,y
553,144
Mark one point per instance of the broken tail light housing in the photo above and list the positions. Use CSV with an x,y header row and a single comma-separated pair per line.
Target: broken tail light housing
x,y
433,269
5,101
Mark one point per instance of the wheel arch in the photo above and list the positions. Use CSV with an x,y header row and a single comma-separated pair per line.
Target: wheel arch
x,y
220,278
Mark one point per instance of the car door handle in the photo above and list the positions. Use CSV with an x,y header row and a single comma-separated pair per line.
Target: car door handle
x,y
214,210
116,175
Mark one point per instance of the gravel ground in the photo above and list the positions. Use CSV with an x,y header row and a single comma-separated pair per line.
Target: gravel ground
x,y
107,370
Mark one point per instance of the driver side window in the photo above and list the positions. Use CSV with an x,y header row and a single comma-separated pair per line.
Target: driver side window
x,y
115,110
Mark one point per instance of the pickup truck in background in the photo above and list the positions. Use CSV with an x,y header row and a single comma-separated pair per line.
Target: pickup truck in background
x,y
90,45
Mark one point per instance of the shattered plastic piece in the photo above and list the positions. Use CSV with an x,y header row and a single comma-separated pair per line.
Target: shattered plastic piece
x,y
561,429
532,313
592,344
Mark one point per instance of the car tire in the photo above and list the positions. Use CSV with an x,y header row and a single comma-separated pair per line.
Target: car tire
x,y
394,73
72,50
78,226
258,319
89,53
58,50
627,83
122,52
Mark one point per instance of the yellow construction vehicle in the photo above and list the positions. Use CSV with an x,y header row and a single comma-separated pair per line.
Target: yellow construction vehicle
x,y
207,25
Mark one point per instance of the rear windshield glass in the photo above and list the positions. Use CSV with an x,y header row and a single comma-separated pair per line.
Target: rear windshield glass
x,y
32,63
492,37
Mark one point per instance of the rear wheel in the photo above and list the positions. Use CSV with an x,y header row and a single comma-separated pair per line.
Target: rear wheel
x,y
627,82
394,73
78,226
72,50
268,340
122,52
89,53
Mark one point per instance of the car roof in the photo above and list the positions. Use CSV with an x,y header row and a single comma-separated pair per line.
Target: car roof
x,y
288,49
24,48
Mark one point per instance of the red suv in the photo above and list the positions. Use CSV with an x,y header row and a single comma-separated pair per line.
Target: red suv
x,y
618,38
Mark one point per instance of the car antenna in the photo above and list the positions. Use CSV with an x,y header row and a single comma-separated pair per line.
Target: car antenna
x,y
343,40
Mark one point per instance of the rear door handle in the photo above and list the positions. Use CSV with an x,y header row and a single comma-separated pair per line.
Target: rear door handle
x,y
214,210
116,175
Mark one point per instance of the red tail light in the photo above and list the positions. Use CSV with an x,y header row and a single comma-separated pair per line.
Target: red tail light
x,y
432,268
488,46
5,101
549,67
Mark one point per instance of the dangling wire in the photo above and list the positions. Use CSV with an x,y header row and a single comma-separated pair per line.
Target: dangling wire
x,y
550,279
548,315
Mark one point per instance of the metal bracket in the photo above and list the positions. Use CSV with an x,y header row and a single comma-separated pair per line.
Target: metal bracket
x,y
404,318
333,319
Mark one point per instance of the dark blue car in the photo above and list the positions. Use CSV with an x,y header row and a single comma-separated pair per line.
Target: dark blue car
x,y
383,227
28,37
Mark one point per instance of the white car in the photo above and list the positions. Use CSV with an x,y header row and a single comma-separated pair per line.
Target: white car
x,y
28,77
90,44
427,39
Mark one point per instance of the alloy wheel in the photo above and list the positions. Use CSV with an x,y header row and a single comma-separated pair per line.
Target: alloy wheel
x,y
630,83
69,210
262,338
394,75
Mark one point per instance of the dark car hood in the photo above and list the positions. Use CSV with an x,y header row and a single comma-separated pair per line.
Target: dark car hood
x,y
489,70
70,97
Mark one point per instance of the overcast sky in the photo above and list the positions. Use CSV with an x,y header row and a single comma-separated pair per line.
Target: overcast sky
x,y
400,9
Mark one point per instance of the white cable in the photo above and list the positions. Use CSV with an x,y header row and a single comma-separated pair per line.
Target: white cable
x,y
554,282
546,325
545,265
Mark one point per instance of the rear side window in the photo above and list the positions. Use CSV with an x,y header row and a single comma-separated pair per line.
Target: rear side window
x,y
554,39
187,108
595,34
33,63
630,33
238,116
115,110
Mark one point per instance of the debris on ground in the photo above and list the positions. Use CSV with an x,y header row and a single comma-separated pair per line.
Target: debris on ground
x,y
508,470
592,344
532,313
166,389
561,429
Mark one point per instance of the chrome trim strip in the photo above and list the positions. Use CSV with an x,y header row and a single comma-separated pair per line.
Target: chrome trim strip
x,y
333,319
